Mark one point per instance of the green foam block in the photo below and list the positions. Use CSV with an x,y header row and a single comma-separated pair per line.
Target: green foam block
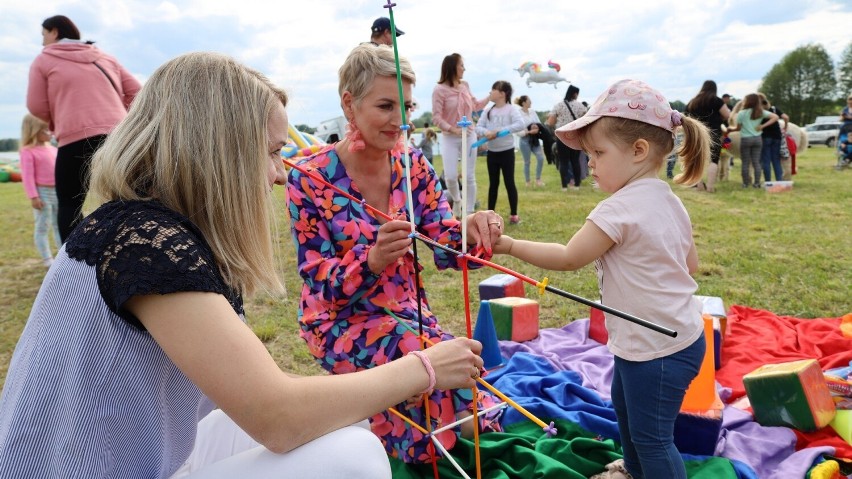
x,y
792,394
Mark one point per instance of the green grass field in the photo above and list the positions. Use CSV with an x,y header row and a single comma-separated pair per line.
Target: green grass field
x,y
790,253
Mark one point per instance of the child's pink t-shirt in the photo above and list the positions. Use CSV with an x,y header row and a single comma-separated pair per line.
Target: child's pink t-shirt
x,y
645,273
37,168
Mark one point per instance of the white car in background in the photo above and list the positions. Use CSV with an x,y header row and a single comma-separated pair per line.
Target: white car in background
x,y
823,133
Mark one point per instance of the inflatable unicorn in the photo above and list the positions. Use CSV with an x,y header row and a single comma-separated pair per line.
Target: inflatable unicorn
x,y
536,75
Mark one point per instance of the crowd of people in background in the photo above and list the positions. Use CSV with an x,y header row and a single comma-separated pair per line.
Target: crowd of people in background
x,y
71,72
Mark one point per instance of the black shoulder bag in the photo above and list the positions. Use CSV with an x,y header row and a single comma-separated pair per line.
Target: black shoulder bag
x,y
114,87
570,110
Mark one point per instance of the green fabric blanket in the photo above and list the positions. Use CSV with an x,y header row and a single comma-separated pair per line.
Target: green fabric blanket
x,y
523,452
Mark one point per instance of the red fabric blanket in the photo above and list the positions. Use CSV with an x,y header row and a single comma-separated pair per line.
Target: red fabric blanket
x,y
755,337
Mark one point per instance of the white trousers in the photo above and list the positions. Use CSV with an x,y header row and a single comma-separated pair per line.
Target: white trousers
x,y
224,451
451,154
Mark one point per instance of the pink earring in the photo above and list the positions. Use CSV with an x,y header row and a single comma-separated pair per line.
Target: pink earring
x,y
353,134
399,147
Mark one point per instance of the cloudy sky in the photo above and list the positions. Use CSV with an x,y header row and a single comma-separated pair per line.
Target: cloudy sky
x,y
672,44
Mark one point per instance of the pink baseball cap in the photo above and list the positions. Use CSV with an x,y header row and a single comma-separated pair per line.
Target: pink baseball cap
x,y
631,99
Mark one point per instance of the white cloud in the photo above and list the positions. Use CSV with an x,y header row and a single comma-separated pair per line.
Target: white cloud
x,y
671,44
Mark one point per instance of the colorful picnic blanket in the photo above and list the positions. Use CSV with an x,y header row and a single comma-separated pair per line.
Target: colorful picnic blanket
x,y
564,376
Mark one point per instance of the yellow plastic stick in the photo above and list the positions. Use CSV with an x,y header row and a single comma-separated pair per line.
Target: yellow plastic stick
x,y
409,421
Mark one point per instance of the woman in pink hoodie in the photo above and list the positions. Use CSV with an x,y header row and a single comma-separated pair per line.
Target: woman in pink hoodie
x,y
82,93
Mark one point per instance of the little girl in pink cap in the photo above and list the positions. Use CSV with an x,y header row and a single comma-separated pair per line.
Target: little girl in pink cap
x,y
640,240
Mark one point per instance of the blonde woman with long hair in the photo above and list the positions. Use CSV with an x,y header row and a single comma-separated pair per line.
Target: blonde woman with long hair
x,y
38,161
138,332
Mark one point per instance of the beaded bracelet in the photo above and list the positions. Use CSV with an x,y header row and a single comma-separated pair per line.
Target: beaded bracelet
x,y
428,365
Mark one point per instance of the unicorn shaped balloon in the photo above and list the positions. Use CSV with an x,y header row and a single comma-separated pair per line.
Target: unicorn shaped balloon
x,y
536,75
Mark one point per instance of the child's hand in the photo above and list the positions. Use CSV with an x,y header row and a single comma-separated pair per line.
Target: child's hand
x,y
503,245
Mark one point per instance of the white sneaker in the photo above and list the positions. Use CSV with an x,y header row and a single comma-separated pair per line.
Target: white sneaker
x,y
48,262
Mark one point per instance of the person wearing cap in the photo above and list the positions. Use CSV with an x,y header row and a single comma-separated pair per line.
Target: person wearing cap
x,y
640,239
381,32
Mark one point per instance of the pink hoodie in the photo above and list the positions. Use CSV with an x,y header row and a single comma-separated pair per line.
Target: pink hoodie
x,y
449,104
73,96
38,163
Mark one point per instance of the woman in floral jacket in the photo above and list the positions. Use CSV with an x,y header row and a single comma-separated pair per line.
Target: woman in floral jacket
x,y
357,266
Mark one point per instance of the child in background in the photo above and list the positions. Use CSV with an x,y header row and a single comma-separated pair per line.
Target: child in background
x,y
428,143
726,159
672,158
788,157
640,240
38,161
501,149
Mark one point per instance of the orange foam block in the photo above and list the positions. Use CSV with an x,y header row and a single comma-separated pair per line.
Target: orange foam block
x,y
702,390
515,319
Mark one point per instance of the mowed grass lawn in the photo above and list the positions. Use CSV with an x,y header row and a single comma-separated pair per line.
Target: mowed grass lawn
x,y
790,253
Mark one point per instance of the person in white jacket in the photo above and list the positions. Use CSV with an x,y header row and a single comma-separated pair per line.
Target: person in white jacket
x,y
495,125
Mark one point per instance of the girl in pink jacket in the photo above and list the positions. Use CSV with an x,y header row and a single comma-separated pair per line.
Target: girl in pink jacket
x,y
38,158
82,93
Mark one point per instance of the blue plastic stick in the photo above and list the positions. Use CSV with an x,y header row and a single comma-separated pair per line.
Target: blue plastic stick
x,y
483,141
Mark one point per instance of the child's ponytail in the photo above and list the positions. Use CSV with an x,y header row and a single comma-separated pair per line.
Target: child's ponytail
x,y
694,152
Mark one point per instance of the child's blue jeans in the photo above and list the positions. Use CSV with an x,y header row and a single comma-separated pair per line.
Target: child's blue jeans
x,y
647,396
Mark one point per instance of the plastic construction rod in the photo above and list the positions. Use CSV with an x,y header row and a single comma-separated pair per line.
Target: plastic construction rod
x,y
620,314
483,141
629,317
549,429
449,457
557,291
468,418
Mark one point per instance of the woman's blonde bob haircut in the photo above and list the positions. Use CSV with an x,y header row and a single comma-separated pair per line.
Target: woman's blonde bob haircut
x,y
366,62
30,127
196,140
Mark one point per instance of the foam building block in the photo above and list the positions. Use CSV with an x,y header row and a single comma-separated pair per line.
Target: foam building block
x,y
485,333
501,286
712,305
697,432
792,394
597,326
702,390
842,424
715,307
515,319
699,422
